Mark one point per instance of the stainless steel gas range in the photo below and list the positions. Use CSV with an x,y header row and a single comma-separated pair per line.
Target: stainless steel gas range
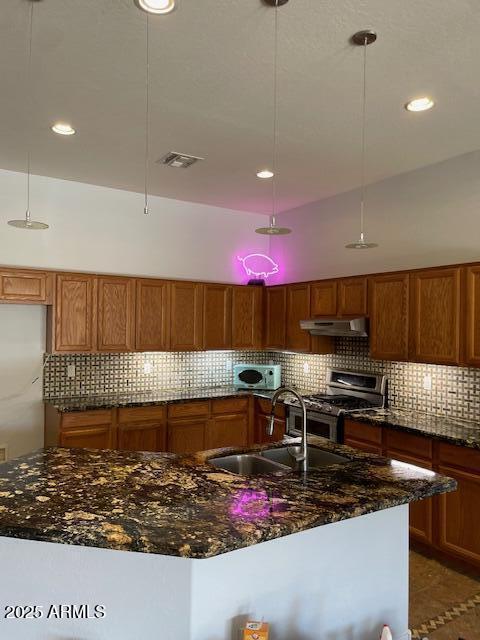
x,y
347,391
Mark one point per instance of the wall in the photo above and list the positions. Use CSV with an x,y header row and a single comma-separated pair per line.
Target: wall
x,y
99,229
423,218
22,343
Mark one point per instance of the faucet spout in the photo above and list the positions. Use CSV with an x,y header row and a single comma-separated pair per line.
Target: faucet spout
x,y
302,457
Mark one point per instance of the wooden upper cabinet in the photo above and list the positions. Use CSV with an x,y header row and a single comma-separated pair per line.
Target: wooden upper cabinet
x,y
152,317
186,316
116,314
274,334
324,297
352,297
74,315
18,285
435,316
247,309
389,316
298,308
472,351
217,317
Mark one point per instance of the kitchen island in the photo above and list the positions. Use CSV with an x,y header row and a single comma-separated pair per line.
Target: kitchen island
x,y
173,547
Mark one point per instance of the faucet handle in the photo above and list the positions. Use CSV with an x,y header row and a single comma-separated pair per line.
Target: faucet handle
x,y
271,424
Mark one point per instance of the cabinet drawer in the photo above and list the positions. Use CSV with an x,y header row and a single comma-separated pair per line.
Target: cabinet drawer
x,y
141,414
86,418
361,431
187,409
417,446
458,456
265,406
230,405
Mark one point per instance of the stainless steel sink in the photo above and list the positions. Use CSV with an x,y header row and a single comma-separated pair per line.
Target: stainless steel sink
x,y
317,458
248,464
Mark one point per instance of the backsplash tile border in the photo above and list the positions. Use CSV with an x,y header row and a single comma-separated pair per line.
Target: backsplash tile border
x,y
455,390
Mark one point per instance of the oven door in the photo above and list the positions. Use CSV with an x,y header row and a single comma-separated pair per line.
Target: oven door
x,y
318,424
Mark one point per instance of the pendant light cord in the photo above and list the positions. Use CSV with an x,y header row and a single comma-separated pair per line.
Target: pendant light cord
x,y
30,114
147,111
275,120
364,139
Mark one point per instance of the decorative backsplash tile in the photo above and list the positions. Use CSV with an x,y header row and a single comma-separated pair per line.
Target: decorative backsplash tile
x,y
455,391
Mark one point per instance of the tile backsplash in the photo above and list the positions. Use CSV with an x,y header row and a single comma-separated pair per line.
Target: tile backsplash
x,y
455,391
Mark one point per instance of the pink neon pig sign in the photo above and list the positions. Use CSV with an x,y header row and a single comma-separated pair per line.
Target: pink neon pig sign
x,y
259,265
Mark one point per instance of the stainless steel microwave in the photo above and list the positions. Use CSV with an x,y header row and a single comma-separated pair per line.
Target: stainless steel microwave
x,y
257,376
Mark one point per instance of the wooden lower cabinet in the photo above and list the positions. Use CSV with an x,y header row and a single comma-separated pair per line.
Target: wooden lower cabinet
x,y
187,436
142,429
227,431
364,437
100,437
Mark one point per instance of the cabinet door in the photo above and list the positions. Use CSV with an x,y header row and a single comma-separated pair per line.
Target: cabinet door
x,y
436,316
187,436
389,316
324,298
152,326
227,431
362,436
275,317
261,424
298,308
247,317
421,512
142,437
473,317
74,313
24,286
459,516
92,437
186,316
352,294
116,314
217,317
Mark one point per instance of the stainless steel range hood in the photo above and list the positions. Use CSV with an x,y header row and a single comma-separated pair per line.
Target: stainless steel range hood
x,y
355,328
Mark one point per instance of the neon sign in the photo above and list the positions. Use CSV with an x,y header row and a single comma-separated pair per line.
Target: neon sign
x,y
259,265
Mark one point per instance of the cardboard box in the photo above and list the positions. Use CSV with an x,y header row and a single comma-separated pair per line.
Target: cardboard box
x,y
256,631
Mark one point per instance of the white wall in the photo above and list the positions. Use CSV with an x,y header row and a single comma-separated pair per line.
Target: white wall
x,y
22,343
423,218
105,230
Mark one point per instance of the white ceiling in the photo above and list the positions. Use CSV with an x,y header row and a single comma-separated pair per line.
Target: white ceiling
x,y
211,93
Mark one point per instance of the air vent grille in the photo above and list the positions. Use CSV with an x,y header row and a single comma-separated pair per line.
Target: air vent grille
x,y
178,160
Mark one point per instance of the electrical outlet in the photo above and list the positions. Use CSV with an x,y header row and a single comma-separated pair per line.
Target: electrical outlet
x,y
147,367
427,382
228,365
306,367
71,371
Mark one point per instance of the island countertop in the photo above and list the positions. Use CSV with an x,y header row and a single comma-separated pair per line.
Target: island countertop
x,y
182,506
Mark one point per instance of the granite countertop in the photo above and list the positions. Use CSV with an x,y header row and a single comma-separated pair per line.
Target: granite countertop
x,y
87,403
454,430
182,506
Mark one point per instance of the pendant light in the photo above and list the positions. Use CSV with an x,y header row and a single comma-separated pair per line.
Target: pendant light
x,y
27,222
146,210
272,229
363,39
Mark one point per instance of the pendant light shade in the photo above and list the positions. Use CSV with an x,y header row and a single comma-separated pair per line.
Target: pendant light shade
x,y
27,222
272,229
363,39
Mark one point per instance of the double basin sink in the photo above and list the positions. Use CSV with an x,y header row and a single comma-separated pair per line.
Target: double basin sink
x,y
279,460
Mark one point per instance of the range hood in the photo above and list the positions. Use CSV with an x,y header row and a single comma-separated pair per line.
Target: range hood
x,y
354,328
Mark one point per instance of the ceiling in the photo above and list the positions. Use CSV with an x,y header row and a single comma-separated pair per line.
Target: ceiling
x,y
211,93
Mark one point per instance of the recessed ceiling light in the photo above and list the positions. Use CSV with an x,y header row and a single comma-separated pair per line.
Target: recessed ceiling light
x,y
265,174
156,6
63,129
420,104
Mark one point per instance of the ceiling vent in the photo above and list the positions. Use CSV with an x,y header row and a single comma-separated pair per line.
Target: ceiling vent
x,y
178,160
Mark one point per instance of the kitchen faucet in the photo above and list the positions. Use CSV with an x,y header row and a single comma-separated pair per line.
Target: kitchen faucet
x,y
302,457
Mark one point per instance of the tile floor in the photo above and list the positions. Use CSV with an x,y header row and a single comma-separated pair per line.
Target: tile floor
x,y
444,603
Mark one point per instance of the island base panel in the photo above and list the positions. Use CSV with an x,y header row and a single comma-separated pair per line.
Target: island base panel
x,y
338,580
